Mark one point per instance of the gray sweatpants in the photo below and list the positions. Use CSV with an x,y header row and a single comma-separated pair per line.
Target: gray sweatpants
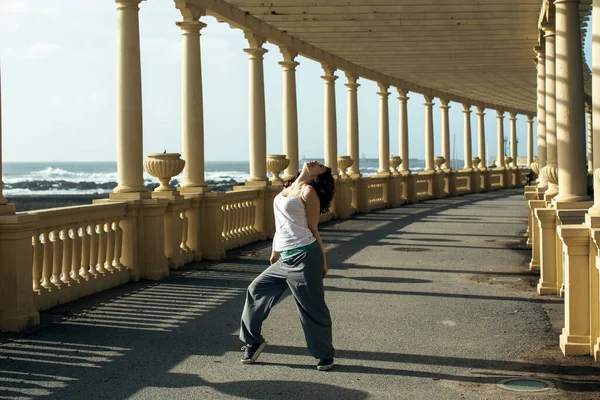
x,y
303,274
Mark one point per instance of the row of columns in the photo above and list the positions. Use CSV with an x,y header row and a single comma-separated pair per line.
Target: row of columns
x,y
129,112
562,146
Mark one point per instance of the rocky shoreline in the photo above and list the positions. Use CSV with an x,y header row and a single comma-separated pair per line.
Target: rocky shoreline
x,y
37,201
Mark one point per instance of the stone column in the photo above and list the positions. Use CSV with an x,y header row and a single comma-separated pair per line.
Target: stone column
x,y
541,115
529,140
590,138
550,71
445,135
429,166
352,86
500,156
468,155
571,135
384,130
403,128
290,113
596,80
129,103
330,119
5,207
257,116
513,140
192,106
481,142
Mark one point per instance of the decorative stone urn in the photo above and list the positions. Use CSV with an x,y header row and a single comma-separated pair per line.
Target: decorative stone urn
x,y
164,166
438,161
535,167
507,160
475,161
344,162
275,164
395,162
550,173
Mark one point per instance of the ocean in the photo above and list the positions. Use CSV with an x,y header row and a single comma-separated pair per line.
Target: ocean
x,y
81,178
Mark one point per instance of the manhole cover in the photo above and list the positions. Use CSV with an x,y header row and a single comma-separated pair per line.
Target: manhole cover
x,y
411,249
526,385
506,279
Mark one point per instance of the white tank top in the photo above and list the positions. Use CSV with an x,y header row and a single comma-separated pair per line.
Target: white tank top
x,y
291,224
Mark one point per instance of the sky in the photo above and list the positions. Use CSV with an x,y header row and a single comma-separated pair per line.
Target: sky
x,y
58,61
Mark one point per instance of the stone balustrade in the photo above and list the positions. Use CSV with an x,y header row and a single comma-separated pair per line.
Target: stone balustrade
x,y
63,254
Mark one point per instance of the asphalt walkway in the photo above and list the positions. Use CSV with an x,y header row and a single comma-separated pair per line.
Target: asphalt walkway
x,y
416,309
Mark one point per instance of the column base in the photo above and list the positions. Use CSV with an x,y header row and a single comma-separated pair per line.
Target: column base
x,y
534,266
546,288
574,345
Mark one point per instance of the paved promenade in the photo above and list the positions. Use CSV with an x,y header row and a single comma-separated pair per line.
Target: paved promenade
x,y
416,314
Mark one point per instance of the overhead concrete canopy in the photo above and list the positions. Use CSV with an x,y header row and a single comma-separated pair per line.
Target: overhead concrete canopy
x,y
478,52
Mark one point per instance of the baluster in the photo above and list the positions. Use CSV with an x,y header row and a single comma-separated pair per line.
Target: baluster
x,y
56,257
38,258
93,260
84,272
237,219
102,246
67,255
184,232
247,222
47,259
118,244
252,224
226,220
75,254
110,247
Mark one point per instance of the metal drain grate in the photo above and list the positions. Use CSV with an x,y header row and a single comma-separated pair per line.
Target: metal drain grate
x,y
525,385
506,279
411,249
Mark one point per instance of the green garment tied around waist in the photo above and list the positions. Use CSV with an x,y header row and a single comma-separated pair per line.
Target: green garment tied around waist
x,y
287,254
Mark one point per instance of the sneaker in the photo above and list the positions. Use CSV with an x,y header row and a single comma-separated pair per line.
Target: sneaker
x,y
325,365
251,353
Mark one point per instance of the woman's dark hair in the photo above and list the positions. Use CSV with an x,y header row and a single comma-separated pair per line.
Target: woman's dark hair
x,y
323,184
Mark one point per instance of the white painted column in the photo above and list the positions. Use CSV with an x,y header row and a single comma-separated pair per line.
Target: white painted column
x,y
445,135
330,119
590,138
352,86
513,140
481,134
570,132
130,175
257,113
550,71
529,140
467,139
384,130
290,113
403,128
541,115
500,156
192,108
429,165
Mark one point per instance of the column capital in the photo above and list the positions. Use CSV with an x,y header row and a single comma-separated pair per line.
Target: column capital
x,y
289,65
402,92
254,40
480,110
329,69
329,78
513,116
131,4
530,118
383,95
466,108
288,55
429,101
444,105
548,29
189,11
256,52
352,78
191,26
383,87
500,114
